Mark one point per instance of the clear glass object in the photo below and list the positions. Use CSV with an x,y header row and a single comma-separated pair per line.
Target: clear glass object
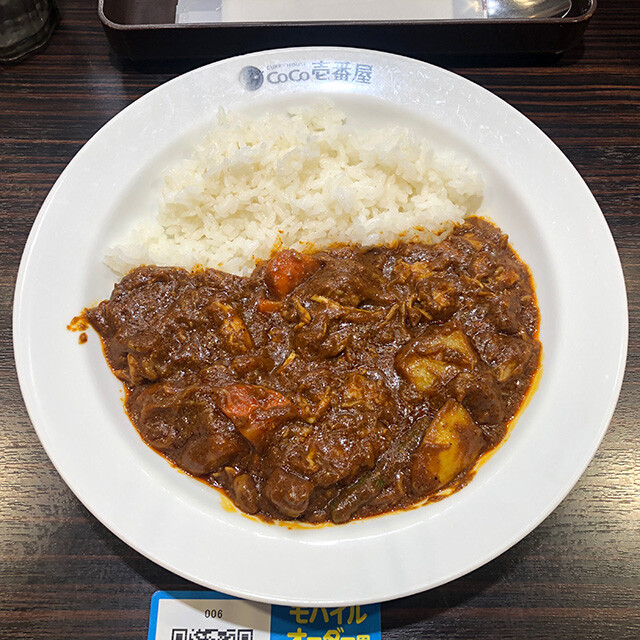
x,y
25,27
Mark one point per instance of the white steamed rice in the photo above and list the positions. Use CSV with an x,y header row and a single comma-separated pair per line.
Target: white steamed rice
x,y
302,179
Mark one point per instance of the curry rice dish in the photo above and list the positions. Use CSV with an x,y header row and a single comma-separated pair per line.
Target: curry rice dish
x,y
333,386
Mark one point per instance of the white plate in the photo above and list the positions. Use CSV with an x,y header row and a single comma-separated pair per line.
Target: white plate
x,y
532,192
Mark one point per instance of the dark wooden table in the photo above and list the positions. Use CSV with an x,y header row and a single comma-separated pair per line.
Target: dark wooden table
x,y
64,575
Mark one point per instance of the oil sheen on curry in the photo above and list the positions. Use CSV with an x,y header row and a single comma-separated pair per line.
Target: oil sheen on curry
x,y
333,386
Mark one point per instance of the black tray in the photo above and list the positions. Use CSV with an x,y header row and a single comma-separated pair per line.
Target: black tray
x,y
145,30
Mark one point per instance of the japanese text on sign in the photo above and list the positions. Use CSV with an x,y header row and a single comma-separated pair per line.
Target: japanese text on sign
x,y
208,615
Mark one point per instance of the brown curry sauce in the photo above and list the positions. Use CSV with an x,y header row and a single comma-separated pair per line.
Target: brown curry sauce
x,y
333,386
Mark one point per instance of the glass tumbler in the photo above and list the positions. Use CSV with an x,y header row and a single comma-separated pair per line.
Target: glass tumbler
x,y
25,27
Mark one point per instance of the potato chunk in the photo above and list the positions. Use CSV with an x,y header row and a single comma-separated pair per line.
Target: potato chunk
x,y
450,446
453,346
435,358
426,373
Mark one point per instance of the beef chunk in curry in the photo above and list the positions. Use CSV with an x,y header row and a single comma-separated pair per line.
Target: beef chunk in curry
x,y
332,386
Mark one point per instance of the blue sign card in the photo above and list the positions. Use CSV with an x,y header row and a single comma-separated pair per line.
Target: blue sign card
x,y
209,615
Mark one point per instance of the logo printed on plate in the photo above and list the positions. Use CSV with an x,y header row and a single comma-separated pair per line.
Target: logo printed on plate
x,y
252,78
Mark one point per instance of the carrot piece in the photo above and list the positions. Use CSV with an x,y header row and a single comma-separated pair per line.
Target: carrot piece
x,y
255,410
287,270
269,306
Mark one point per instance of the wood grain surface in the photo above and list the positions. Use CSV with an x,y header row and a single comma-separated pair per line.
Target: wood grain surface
x,y
64,575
